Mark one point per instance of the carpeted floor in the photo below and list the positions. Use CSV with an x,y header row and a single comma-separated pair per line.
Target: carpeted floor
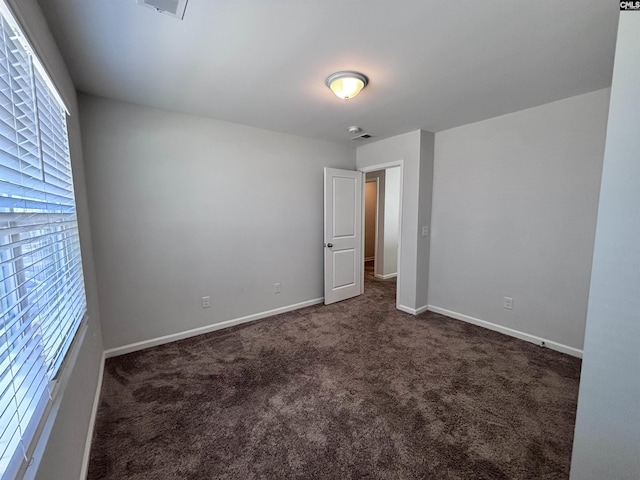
x,y
354,390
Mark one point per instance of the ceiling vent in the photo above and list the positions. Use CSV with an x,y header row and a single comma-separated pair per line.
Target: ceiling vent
x,y
359,134
173,8
362,136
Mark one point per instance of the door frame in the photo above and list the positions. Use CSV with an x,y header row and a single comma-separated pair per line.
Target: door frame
x,y
375,168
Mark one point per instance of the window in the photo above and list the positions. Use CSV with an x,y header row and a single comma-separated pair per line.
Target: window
x,y
42,298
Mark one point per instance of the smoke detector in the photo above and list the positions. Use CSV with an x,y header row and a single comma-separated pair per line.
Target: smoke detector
x,y
173,8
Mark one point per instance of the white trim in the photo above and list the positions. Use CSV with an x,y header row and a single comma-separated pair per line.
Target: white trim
x,y
404,309
560,347
386,277
133,347
413,311
40,440
381,166
422,309
92,423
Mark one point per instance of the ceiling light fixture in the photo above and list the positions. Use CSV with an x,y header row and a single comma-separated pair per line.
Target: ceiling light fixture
x,y
346,84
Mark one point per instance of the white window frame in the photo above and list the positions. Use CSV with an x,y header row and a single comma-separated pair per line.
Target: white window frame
x,y
51,362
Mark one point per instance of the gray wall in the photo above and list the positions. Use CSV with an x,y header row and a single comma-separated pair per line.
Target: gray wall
x,y
514,212
607,435
60,452
183,207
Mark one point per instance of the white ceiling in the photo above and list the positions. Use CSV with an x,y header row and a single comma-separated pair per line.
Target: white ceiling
x,y
432,64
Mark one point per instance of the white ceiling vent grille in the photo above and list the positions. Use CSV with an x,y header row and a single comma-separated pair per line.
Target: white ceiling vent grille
x,y
173,8
362,136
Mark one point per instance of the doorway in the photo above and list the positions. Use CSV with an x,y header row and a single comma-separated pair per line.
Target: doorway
x,y
381,222
370,224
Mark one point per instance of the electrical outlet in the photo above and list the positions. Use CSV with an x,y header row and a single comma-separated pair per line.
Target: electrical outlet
x,y
206,301
425,231
508,303
276,288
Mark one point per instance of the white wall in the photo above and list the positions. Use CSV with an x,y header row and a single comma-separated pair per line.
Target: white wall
x,y
391,221
185,206
415,149
60,451
607,435
514,212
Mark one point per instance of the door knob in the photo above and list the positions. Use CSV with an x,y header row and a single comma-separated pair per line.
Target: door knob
x,y
329,245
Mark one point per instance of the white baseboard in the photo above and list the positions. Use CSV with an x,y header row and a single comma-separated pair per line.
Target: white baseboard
x,y
92,423
560,347
385,277
132,347
413,311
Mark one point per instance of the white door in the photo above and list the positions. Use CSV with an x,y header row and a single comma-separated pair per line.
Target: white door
x,y
342,234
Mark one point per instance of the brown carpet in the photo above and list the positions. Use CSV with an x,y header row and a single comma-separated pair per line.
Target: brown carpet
x,y
353,390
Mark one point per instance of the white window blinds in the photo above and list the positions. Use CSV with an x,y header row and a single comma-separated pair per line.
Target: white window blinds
x,y
42,298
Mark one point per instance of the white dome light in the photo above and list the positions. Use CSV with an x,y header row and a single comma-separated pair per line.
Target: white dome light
x,y
346,84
